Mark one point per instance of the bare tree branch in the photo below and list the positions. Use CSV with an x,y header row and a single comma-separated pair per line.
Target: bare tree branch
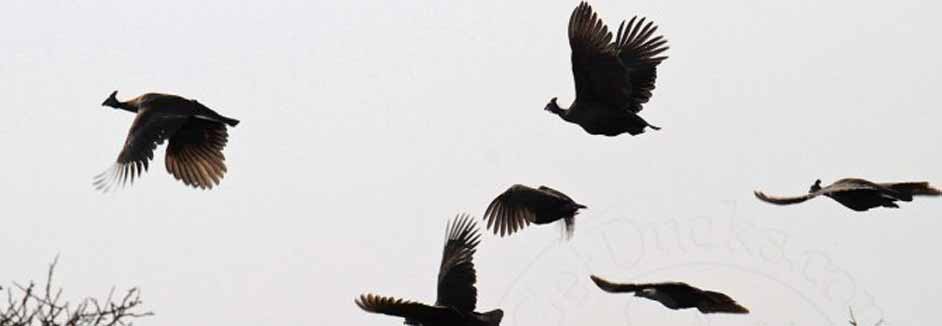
x,y
853,320
29,306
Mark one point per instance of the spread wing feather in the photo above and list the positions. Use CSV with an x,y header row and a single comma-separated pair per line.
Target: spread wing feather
x,y
194,153
398,307
149,129
456,276
639,52
516,208
598,73
619,74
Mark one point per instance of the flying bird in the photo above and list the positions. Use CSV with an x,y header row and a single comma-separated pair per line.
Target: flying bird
x,y
676,295
520,205
196,137
859,194
613,79
457,295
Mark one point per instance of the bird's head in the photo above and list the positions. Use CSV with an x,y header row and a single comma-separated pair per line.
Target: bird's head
x,y
553,107
112,101
816,186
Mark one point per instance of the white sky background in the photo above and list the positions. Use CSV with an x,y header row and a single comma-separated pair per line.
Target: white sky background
x,y
367,124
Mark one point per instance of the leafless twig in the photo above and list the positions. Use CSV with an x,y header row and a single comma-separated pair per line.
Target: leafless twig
x,y
853,320
31,306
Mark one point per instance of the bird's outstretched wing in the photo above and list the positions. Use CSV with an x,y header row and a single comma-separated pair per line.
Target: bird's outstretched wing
x,y
638,52
398,307
194,153
456,276
515,208
508,212
783,200
149,129
619,74
599,74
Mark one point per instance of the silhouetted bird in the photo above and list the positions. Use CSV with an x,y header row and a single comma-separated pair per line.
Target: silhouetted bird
x,y
457,295
196,136
520,205
859,194
676,295
612,80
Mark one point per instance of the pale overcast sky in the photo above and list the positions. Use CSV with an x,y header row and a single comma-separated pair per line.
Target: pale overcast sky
x,y
366,125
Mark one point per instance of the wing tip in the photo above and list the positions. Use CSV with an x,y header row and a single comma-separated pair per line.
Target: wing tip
x,y
739,309
463,228
116,177
762,196
369,301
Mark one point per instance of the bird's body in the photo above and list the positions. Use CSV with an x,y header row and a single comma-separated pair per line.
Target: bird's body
x,y
457,295
859,194
196,134
676,295
613,79
520,205
596,119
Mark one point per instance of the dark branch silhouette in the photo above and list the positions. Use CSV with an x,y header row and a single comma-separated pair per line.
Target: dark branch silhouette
x,y
853,320
42,305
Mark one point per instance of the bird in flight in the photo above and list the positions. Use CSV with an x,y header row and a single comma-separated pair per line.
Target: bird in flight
x,y
520,205
613,79
676,295
457,295
196,134
859,194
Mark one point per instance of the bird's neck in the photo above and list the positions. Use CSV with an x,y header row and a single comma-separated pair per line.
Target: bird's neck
x,y
557,110
566,114
126,106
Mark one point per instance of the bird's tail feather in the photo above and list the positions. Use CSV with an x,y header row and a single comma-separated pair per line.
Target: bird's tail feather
x,y
209,114
569,227
229,121
915,188
493,317
726,307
